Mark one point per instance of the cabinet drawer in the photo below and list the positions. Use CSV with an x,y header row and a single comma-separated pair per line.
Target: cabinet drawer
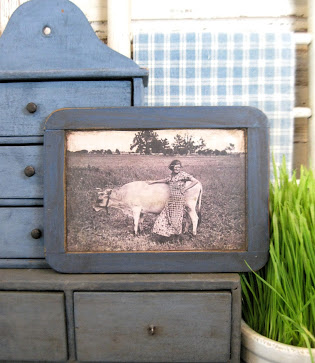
x,y
153,326
16,120
14,183
32,326
16,240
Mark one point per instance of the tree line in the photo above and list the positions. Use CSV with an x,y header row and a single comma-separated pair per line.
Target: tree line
x,y
148,142
98,152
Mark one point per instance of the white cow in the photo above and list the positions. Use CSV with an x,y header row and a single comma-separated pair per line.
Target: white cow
x,y
137,198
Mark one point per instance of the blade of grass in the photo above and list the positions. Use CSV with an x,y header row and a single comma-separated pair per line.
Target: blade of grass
x,y
282,293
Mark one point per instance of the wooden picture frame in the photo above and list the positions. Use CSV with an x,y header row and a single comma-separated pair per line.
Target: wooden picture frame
x,y
87,170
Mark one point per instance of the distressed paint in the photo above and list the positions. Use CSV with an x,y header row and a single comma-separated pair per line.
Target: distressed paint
x,y
138,91
23,263
165,117
33,326
49,96
189,326
70,67
13,181
16,240
59,58
55,174
71,44
46,279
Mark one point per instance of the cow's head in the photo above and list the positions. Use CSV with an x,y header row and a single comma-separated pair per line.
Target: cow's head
x,y
103,200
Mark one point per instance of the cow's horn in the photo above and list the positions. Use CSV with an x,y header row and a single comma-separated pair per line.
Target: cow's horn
x,y
98,188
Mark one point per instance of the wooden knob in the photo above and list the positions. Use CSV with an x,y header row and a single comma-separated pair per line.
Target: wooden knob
x,y
36,233
31,107
29,171
151,329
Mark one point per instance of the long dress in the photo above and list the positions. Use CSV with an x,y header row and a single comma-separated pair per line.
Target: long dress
x,y
170,220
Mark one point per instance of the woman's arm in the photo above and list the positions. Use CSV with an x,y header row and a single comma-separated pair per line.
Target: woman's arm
x,y
165,180
194,181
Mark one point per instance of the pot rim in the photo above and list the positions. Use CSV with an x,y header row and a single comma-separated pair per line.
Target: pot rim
x,y
251,338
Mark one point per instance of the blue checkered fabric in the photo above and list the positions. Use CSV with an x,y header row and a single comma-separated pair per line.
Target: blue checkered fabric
x,y
224,69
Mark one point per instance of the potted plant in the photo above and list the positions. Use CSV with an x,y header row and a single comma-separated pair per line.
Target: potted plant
x,y
278,302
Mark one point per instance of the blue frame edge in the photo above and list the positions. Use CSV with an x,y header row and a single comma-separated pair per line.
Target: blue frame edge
x,y
130,118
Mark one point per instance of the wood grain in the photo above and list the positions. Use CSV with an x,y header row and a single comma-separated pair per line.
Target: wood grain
x,y
187,326
13,181
32,326
49,96
183,284
16,226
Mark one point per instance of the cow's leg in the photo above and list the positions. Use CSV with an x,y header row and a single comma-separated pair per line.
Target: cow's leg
x,y
136,211
140,227
194,219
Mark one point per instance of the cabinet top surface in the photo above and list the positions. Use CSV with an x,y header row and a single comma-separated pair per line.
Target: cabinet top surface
x,y
12,279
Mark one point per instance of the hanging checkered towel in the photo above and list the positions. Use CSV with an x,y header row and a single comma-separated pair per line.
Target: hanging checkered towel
x,y
224,69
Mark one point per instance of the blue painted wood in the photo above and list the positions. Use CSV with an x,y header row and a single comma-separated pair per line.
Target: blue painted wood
x,y
170,117
13,181
257,228
71,49
15,120
32,326
138,91
20,202
16,226
20,140
54,174
23,263
236,323
70,67
187,326
102,74
248,118
162,262
48,280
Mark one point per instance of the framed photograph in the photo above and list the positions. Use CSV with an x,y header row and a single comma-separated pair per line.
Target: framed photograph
x,y
156,190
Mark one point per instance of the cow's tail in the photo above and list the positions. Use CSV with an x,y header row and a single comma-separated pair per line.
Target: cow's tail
x,y
199,206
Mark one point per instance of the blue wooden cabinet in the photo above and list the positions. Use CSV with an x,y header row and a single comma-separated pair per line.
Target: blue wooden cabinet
x,y
119,317
16,97
39,73
46,316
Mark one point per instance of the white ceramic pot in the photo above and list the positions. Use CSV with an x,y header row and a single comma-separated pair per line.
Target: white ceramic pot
x,y
258,349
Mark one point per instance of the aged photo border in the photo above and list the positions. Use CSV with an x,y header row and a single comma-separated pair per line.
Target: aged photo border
x,y
156,190
141,118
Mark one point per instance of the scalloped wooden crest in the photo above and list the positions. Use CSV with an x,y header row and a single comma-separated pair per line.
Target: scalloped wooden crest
x,y
46,38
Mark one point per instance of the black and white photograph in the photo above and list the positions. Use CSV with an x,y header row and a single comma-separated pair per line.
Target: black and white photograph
x,y
156,190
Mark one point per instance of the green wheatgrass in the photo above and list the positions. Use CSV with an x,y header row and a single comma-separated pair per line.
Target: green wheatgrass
x,y
279,300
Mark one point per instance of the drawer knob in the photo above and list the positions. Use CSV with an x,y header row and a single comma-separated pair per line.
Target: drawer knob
x,y
31,107
151,329
36,233
29,171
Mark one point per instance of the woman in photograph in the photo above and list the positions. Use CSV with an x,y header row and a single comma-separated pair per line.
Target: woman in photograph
x,y
170,220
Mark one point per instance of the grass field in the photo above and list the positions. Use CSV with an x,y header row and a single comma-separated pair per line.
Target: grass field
x,y
223,225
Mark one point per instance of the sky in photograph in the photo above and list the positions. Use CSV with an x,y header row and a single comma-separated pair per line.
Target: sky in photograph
x,y
121,140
